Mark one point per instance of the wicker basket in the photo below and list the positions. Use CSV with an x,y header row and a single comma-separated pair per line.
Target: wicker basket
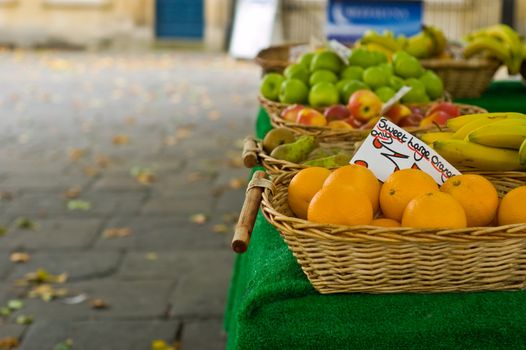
x,y
334,135
464,78
349,259
276,58
275,166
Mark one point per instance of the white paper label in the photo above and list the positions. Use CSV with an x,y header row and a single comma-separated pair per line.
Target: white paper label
x,y
390,103
343,51
389,148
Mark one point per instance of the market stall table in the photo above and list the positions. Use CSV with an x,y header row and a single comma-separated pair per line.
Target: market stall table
x,y
272,304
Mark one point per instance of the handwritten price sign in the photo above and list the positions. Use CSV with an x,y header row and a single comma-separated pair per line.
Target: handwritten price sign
x,y
389,148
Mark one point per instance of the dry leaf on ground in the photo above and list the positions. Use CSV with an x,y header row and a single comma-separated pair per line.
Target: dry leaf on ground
x,y
47,292
72,192
220,228
199,218
76,153
99,304
9,343
116,232
77,204
120,139
19,257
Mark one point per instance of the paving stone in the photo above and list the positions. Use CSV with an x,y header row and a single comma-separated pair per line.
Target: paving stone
x,y
12,330
105,335
119,182
150,233
177,205
129,202
5,264
53,234
137,265
202,292
230,201
37,204
42,181
77,265
126,299
203,334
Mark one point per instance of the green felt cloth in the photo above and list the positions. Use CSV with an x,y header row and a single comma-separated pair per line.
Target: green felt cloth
x,y
273,306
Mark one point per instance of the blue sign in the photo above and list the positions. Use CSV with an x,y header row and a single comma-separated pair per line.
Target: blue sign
x,y
347,20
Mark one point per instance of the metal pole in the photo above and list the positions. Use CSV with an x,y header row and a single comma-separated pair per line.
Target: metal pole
x,y
508,9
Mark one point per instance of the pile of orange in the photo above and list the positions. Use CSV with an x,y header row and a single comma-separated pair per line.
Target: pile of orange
x,y
352,195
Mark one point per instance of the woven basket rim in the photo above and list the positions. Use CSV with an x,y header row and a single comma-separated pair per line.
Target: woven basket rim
x,y
367,233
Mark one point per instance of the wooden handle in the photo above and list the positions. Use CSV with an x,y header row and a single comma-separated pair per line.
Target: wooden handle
x,y
250,156
247,217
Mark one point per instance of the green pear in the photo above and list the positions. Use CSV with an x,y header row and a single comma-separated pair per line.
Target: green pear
x,y
277,137
296,151
322,152
333,161
420,45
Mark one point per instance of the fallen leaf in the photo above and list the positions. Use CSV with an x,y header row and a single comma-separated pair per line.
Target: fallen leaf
x,y
214,115
4,195
145,178
198,219
42,276
116,232
25,224
237,183
46,292
152,256
5,311
65,345
76,153
130,120
9,343
220,228
99,304
170,140
102,161
19,257
120,139
194,177
72,192
3,231
90,171
24,319
160,344
77,204
15,304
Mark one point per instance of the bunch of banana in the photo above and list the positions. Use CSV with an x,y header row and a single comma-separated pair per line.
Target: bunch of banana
x,y
487,141
430,42
499,41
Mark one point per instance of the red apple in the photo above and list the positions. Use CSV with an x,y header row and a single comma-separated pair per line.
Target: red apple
x,y
438,117
411,120
309,116
339,124
370,123
364,105
446,107
397,112
291,113
336,112
355,123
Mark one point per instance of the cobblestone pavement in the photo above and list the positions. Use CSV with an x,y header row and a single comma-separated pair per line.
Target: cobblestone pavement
x,y
120,181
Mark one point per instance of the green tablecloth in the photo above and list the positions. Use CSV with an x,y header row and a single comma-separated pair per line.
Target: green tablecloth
x,y
273,306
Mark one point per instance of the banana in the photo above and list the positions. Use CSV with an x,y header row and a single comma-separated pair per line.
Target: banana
x,y
504,136
522,153
469,154
464,131
487,43
380,48
388,42
438,37
431,137
458,122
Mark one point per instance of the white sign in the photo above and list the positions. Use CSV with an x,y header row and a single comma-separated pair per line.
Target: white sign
x,y
389,148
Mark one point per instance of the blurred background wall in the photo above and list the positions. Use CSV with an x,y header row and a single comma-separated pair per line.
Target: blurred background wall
x,y
205,22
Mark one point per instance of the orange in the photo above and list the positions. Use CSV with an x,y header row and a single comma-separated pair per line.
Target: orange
x,y
384,222
303,187
358,177
511,209
434,210
340,205
402,186
476,194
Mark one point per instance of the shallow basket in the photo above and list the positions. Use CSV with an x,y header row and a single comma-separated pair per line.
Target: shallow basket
x,y
253,148
350,259
276,58
464,78
274,111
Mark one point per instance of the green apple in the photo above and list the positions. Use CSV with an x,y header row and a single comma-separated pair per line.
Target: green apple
x,y
433,83
322,75
396,82
387,68
352,72
378,58
271,85
297,71
361,57
384,93
417,92
323,94
375,77
326,60
293,91
406,66
306,59
350,87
